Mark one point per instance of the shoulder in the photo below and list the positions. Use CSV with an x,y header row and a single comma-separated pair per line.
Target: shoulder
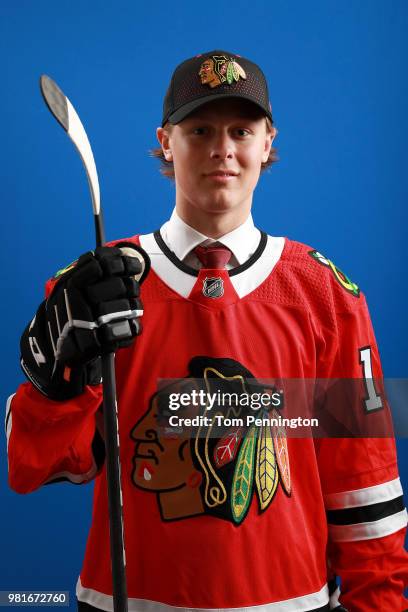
x,y
132,240
318,279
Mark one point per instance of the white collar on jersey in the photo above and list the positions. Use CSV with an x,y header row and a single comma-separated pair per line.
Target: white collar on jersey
x,y
182,283
182,238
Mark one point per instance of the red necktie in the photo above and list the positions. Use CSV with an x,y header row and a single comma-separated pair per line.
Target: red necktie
x,y
213,257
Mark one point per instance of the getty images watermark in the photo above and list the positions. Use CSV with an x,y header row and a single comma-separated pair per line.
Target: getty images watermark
x,y
336,408
230,409
249,419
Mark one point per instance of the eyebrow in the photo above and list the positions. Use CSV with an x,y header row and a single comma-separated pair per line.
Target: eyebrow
x,y
234,118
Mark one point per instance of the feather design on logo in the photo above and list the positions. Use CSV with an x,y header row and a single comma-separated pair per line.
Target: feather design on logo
x,y
266,469
238,71
230,73
280,444
242,482
234,72
226,449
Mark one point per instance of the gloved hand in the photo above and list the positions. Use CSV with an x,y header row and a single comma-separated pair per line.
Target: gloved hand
x,y
93,308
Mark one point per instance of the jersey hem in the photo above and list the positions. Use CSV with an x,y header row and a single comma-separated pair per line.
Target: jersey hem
x,y
312,602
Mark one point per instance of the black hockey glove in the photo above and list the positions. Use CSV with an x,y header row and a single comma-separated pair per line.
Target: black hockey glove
x,y
93,308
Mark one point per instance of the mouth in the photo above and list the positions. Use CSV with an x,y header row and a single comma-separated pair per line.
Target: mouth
x,y
221,175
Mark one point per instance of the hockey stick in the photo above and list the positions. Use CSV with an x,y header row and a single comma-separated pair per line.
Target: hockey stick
x,y
64,112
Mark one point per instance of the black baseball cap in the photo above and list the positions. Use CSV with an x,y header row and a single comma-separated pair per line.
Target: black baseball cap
x,y
213,75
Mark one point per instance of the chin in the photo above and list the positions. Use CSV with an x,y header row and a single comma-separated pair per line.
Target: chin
x,y
219,206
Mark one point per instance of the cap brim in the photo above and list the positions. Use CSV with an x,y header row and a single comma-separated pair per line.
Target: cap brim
x,y
187,109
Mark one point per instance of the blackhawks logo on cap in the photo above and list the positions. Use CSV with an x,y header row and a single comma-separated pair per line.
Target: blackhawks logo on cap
x,y
219,69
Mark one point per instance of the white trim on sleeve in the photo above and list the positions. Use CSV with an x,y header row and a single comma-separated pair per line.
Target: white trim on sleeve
x,y
74,478
364,497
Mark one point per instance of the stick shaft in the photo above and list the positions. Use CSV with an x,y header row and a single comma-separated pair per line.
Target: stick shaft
x,y
120,603
113,474
99,229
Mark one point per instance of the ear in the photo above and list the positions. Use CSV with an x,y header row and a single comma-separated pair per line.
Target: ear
x,y
163,136
269,138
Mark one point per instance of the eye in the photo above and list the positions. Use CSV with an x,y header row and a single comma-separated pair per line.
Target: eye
x,y
242,132
199,131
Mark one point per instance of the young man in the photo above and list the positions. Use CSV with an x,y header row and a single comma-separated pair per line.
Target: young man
x,y
229,514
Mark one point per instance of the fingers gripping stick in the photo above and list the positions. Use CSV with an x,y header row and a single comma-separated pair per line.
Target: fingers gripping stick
x,y
94,306
125,324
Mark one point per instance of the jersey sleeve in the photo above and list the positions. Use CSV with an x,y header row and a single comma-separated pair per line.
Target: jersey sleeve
x,y
51,441
359,475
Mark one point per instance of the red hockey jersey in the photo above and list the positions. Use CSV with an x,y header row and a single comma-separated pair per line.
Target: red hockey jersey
x,y
237,522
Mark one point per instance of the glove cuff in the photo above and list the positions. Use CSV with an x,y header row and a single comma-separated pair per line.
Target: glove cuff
x,y
65,384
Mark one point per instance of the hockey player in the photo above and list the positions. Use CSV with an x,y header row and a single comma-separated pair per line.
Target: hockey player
x,y
242,518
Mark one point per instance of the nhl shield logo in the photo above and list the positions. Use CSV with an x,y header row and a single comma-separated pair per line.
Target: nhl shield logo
x,y
213,287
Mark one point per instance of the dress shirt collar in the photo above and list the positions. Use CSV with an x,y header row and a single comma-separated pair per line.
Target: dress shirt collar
x,y
182,238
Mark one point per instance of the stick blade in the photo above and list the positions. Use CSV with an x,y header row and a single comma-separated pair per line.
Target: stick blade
x,y
56,100
66,115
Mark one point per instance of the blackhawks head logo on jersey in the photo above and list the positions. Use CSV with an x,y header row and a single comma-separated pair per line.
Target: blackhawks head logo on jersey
x,y
218,466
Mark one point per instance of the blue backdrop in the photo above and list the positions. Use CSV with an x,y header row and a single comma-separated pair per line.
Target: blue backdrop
x,y
337,74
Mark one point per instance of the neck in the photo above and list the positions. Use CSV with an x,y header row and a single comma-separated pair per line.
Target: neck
x,y
213,224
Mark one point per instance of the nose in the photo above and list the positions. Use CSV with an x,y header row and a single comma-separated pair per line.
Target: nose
x,y
222,146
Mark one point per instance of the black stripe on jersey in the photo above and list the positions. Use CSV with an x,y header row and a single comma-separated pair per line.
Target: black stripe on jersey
x,y
193,272
84,607
365,514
